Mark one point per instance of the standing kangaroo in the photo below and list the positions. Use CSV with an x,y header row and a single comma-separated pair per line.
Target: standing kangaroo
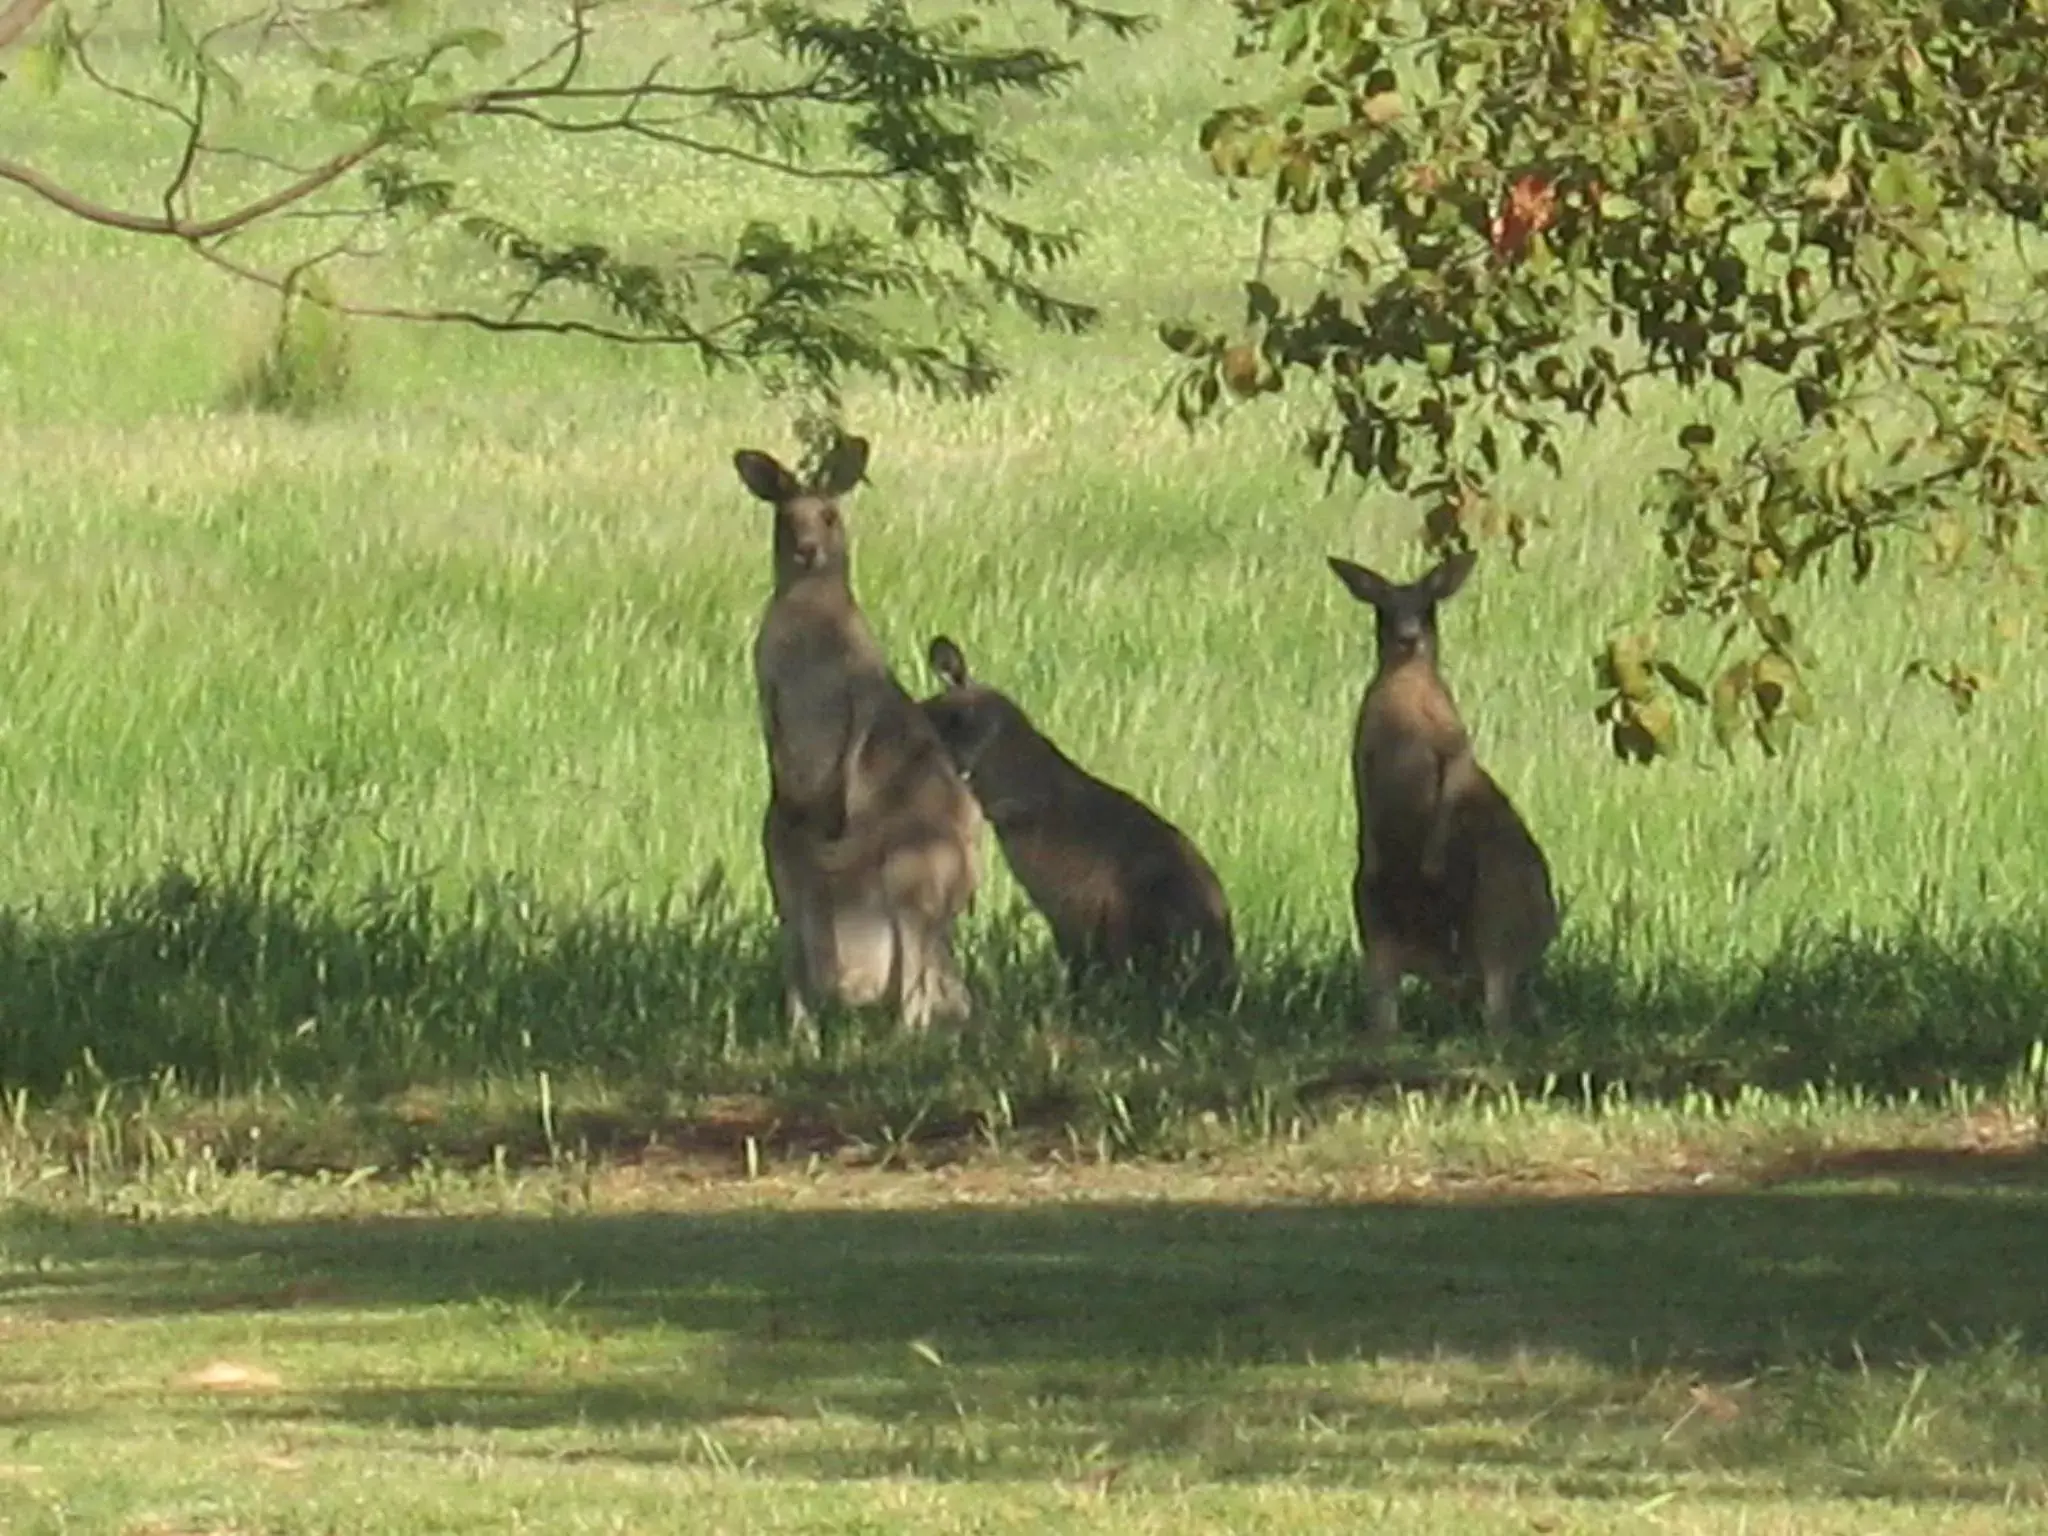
x,y
1120,885
870,836
1450,885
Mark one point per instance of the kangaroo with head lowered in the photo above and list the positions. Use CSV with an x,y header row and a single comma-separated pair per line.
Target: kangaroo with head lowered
x,y
1121,887
870,837
1450,885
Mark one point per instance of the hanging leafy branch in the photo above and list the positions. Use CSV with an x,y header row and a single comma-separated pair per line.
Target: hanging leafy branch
x,y
1535,207
880,243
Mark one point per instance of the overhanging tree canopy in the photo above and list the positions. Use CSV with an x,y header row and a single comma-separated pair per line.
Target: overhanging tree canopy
x,y
866,111
1534,206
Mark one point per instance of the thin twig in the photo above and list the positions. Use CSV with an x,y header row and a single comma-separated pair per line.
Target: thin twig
x,y
234,24
190,156
257,157
814,88
346,246
704,340
86,67
306,216
625,123
572,46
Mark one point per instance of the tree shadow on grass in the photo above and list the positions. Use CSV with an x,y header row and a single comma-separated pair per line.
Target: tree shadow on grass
x,y
1620,1338
253,976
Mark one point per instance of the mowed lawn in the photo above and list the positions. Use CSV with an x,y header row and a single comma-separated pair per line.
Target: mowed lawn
x,y
1663,1327
388,1013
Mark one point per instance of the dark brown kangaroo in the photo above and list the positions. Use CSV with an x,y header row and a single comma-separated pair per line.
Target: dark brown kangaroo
x,y
1120,886
871,839
1450,885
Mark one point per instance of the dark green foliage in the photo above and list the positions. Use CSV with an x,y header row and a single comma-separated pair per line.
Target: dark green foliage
x,y
1547,204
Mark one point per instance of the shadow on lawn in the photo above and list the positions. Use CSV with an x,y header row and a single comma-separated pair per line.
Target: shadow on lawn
x,y
248,973
1326,1342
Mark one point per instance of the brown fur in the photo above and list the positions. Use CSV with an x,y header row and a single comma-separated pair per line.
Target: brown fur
x,y
870,838
1450,885
1120,886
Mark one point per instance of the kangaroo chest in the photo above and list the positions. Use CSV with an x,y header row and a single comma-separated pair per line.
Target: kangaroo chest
x,y
1408,734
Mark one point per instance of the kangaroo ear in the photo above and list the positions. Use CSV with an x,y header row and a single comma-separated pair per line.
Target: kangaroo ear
x,y
1367,586
1451,574
843,467
763,474
947,661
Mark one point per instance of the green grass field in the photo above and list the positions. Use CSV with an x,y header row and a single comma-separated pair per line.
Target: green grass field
x,y
1813,1321
384,792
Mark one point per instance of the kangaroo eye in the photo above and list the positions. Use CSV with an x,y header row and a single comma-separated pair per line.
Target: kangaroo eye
x,y
831,517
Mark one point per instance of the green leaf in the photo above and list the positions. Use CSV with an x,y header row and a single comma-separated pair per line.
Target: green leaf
x,y
1627,662
186,60
1584,27
1260,156
1775,682
1775,628
477,42
1290,34
1730,689
1898,183
181,49
1800,700
1300,183
334,104
1659,722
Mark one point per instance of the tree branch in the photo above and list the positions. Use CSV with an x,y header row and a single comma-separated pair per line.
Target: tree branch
x,y
804,305
487,103
704,341
19,17
187,229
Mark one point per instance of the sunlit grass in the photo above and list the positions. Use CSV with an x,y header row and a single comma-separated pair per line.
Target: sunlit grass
x,y
437,709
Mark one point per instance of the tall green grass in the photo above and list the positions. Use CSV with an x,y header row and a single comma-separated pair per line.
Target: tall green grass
x,y
415,741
